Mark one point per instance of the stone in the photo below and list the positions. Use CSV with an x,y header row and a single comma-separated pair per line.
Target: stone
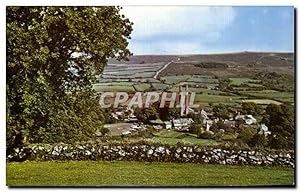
x,y
270,159
178,150
40,148
150,152
168,151
87,152
156,153
121,153
229,161
160,149
55,153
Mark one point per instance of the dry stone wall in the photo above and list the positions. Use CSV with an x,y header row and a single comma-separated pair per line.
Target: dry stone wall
x,y
151,152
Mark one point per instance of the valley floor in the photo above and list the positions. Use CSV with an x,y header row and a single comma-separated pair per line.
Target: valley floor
x,y
122,173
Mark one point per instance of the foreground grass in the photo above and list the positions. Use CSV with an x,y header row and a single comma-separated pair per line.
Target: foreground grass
x,y
121,173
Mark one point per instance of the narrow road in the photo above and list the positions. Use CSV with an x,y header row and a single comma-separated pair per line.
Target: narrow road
x,y
161,69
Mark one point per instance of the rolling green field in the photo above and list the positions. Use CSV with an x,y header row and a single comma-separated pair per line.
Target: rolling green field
x,y
113,88
173,79
206,86
261,101
142,86
203,79
185,140
205,98
239,81
122,173
271,94
206,91
169,137
172,137
160,86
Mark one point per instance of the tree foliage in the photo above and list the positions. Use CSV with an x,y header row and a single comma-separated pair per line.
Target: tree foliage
x,y
246,135
196,117
280,120
146,114
196,129
167,113
221,111
251,108
217,126
53,56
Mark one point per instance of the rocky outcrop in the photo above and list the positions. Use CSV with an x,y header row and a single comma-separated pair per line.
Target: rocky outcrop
x,y
149,152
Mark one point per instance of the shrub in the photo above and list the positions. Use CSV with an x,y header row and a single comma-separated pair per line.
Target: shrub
x,y
206,135
196,129
104,131
259,141
246,135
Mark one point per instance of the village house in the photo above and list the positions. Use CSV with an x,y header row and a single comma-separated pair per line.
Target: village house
x,y
167,124
263,130
182,124
207,124
248,119
229,123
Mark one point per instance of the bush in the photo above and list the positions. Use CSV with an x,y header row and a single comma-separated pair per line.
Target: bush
x,y
197,118
104,131
196,129
280,142
246,135
206,135
146,114
220,125
258,141
228,137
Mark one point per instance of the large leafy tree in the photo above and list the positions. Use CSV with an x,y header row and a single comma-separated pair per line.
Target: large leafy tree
x,y
54,54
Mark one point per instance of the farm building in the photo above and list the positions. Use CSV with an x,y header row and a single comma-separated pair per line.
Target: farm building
x,y
263,129
168,124
229,123
182,123
249,119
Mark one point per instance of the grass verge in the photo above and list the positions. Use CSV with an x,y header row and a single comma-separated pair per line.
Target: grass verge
x,y
122,173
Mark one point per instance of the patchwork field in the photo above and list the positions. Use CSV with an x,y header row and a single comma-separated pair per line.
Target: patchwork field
x,y
122,173
204,75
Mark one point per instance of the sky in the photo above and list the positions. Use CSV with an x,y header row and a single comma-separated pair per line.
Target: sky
x,y
201,30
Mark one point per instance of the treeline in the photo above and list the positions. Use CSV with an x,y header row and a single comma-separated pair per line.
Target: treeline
x,y
211,65
276,81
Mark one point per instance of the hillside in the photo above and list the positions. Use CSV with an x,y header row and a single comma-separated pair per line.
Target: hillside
x,y
241,58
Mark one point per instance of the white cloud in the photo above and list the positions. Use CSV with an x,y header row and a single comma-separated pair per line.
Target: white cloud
x,y
184,26
166,47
